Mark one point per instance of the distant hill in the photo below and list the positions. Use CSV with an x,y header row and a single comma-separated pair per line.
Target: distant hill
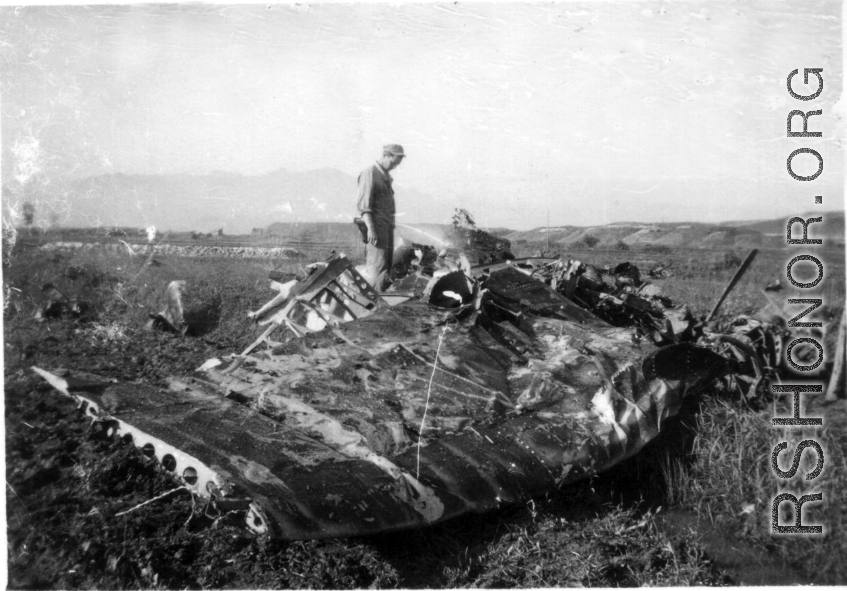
x,y
725,236
832,225
742,235
238,203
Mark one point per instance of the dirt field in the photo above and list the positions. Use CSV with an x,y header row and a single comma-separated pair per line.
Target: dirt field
x,y
693,508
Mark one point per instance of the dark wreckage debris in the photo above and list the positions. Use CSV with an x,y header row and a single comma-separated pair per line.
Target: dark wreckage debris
x,y
349,416
58,305
171,317
624,298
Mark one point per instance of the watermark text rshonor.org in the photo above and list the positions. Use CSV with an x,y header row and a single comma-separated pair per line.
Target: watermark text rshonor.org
x,y
812,79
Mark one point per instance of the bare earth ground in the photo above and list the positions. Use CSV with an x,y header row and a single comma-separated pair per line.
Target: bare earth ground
x,y
692,508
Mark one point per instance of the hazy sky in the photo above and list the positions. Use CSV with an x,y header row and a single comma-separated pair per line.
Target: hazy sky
x,y
595,111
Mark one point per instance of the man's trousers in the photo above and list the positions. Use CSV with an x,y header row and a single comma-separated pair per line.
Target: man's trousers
x,y
380,259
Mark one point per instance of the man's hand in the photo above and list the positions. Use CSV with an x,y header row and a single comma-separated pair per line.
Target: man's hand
x,y
369,222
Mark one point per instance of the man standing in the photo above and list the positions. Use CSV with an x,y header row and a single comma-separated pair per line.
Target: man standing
x,y
376,204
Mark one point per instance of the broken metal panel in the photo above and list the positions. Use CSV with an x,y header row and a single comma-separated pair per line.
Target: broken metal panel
x,y
529,265
535,452
284,292
269,464
384,372
410,287
335,291
512,287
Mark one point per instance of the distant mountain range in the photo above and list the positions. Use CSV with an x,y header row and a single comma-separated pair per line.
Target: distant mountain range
x,y
238,203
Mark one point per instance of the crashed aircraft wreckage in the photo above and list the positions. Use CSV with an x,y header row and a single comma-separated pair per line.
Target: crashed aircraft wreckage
x,y
451,394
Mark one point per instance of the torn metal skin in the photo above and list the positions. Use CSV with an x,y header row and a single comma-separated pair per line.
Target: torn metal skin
x,y
372,418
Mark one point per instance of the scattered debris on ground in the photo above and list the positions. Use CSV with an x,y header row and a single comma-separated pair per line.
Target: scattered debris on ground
x,y
171,543
171,317
59,306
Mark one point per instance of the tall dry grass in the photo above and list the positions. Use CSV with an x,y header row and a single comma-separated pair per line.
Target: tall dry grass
x,y
729,482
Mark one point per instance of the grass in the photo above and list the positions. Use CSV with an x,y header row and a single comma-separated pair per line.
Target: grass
x,y
578,537
617,548
711,466
728,482
122,290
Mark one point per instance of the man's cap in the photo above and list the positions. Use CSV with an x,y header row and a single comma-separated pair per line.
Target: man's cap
x,y
394,150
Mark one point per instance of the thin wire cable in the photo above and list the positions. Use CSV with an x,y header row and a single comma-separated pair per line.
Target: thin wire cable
x,y
426,405
154,499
